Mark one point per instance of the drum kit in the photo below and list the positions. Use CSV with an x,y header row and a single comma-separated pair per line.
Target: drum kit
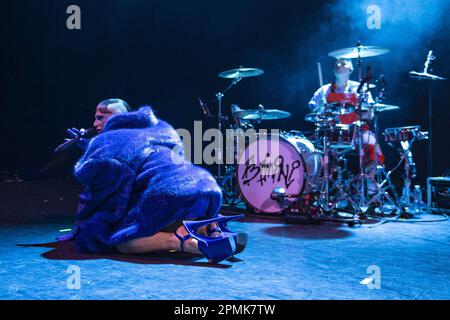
x,y
306,174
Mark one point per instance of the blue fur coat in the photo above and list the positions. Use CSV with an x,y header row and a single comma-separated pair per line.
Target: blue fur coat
x,y
137,183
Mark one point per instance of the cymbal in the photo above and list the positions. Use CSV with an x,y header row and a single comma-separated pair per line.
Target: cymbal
x,y
358,52
380,107
320,117
425,76
241,73
261,114
371,85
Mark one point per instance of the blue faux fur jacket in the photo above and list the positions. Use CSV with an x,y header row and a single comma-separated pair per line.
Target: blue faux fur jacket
x,y
137,183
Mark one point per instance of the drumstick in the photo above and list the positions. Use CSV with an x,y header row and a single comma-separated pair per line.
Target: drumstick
x,y
319,69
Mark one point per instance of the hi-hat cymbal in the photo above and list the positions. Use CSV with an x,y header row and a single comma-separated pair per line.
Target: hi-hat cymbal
x,y
380,107
241,73
320,117
261,114
358,52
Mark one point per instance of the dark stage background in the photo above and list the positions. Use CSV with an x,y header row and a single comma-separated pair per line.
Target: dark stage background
x,y
168,53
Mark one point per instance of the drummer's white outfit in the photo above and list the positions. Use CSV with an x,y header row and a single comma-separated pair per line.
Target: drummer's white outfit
x,y
331,93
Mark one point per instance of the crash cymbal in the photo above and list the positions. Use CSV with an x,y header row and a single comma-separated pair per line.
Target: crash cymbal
x,y
425,76
358,52
261,114
241,73
380,107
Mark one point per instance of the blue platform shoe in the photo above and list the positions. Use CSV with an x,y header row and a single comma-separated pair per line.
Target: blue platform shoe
x,y
219,248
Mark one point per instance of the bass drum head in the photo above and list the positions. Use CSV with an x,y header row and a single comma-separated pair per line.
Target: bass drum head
x,y
267,162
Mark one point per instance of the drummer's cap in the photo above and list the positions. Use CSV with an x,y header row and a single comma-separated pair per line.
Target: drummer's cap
x,y
346,63
113,106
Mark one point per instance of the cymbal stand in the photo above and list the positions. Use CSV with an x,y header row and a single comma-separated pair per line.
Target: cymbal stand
x,y
220,117
362,177
384,186
358,46
429,77
228,183
381,89
410,171
401,204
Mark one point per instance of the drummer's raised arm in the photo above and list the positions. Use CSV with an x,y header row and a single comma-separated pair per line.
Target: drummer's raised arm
x,y
317,100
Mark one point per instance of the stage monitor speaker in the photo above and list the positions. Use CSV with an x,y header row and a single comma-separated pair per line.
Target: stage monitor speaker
x,y
438,194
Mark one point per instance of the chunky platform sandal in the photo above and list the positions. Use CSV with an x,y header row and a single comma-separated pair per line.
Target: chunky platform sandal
x,y
219,248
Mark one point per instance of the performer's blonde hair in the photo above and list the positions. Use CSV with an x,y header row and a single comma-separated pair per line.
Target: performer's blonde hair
x,y
113,106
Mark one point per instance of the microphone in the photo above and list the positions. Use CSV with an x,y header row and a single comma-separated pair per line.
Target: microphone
x,y
84,134
204,108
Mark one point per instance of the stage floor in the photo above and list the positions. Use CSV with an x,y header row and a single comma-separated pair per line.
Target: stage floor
x,y
326,261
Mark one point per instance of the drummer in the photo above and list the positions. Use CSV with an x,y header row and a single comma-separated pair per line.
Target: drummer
x,y
343,91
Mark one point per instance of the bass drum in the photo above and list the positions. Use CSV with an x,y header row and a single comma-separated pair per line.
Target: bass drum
x,y
289,161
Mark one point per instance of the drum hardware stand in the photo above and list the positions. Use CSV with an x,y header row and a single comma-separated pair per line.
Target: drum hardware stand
x,y
375,123
228,183
409,173
328,179
359,59
379,99
406,157
230,192
325,192
220,118
340,175
362,177
384,185
306,209
302,211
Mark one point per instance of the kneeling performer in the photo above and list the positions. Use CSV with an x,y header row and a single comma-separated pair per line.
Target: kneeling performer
x,y
140,192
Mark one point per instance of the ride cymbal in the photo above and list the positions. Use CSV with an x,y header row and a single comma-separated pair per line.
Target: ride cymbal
x,y
358,52
241,73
